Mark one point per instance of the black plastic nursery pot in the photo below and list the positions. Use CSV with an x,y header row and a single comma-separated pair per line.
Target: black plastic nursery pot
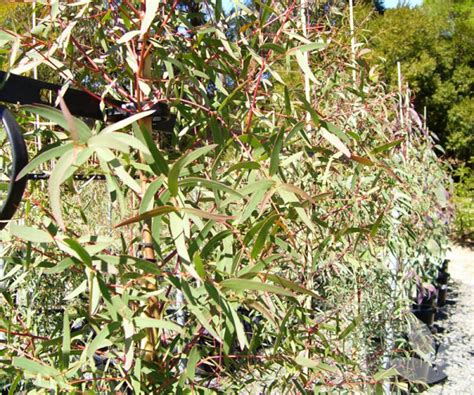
x,y
427,301
442,294
442,285
444,265
424,313
443,278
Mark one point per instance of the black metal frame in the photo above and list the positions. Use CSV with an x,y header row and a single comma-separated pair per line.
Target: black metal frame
x,y
20,160
16,89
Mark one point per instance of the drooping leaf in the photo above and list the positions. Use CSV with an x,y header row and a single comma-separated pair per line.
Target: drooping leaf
x,y
34,367
147,322
149,214
127,121
45,156
30,234
240,284
336,142
183,162
56,116
57,178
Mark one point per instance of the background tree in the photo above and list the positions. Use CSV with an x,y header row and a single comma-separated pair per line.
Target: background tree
x,y
435,46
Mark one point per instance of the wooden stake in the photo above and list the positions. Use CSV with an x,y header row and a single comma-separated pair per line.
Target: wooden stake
x,y
307,83
424,118
353,40
146,126
152,310
399,70
35,76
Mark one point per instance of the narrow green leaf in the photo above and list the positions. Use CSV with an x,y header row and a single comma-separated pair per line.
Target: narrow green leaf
x,y
14,384
34,367
304,65
336,142
298,191
127,121
107,158
150,12
214,185
57,177
183,162
240,284
274,47
207,215
199,266
307,48
156,160
82,254
309,363
386,147
193,358
275,156
94,293
196,311
77,291
262,237
147,322
213,242
99,341
290,285
239,328
118,141
60,267
128,36
30,234
149,214
243,165
354,323
56,116
385,374
45,156
66,344
376,225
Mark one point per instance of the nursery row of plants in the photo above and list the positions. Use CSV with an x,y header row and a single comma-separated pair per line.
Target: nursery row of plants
x,y
437,61
268,235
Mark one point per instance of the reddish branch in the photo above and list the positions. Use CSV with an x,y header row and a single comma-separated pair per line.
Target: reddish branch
x,y
24,334
262,68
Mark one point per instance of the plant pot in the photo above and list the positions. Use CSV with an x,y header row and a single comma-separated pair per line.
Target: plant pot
x,y
428,301
444,265
443,278
424,314
442,294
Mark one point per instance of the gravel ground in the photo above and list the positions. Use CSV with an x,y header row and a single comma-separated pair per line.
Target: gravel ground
x,y
457,318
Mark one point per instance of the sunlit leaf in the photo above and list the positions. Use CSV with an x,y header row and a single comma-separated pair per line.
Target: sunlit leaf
x,y
185,160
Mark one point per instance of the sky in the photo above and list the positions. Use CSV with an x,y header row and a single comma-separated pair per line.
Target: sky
x,y
393,3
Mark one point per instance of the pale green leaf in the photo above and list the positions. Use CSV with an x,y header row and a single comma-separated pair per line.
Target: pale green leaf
x,y
186,159
240,284
127,121
147,322
28,233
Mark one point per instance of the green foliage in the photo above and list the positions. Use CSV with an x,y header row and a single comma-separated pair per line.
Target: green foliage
x,y
464,202
434,45
271,216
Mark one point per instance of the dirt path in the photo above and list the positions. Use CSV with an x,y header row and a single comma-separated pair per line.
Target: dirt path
x,y
457,340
